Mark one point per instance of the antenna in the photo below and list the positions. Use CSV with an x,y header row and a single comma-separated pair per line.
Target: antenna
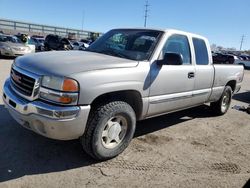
x,y
146,13
242,41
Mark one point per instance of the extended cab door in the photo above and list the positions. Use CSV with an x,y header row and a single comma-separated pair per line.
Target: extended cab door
x,y
204,71
172,85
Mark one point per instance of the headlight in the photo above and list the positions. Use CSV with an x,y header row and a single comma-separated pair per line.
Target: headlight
x,y
60,83
6,48
59,89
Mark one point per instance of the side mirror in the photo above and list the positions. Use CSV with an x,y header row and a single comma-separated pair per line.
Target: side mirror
x,y
171,59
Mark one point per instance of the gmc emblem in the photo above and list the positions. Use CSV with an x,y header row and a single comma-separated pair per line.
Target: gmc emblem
x,y
16,77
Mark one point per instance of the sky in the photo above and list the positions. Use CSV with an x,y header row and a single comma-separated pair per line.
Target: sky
x,y
223,22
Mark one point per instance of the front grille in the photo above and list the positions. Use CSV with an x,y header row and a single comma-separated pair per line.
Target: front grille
x,y
22,83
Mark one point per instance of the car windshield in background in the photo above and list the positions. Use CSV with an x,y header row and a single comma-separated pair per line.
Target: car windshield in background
x,y
125,43
5,38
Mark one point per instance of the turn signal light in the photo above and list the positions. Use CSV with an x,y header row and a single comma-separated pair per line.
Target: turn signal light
x,y
70,85
65,100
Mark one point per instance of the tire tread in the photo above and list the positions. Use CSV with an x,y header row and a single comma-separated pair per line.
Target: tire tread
x,y
95,115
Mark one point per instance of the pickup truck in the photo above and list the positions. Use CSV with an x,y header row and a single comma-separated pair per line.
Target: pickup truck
x,y
127,75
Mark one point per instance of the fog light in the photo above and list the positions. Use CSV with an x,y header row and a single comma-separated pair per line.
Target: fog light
x,y
58,114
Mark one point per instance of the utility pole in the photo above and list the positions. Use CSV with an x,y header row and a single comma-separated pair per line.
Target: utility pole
x,y
146,13
242,41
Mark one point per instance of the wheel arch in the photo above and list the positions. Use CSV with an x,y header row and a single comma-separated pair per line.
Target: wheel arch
x,y
232,84
132,97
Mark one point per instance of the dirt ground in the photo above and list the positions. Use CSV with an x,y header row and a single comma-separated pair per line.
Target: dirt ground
x,y
191,148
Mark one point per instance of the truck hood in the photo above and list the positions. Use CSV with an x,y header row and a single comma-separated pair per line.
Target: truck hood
x,y
64,63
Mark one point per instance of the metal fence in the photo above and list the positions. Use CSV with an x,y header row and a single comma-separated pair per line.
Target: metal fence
x,y
14,27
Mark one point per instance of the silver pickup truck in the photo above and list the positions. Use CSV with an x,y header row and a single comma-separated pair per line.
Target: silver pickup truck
x,y
127,75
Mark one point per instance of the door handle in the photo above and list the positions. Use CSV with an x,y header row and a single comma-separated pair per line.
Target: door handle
x,y
191,75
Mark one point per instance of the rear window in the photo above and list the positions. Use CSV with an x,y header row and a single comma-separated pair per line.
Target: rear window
x,y
201,54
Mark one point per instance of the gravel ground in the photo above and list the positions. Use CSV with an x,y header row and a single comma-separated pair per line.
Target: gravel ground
x,y
190,148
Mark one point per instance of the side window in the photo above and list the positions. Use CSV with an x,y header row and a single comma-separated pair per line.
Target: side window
x,y
178,44
201,54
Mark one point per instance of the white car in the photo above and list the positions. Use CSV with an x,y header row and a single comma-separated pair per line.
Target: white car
x,y
79,45
12,46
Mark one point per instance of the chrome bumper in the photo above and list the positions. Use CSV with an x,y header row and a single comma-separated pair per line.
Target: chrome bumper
x,y
61,123
13,53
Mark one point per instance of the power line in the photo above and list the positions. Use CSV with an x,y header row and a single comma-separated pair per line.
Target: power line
x,y
242,41
146,13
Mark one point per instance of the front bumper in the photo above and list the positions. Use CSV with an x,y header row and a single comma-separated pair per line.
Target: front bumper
x,y
13,53
56,122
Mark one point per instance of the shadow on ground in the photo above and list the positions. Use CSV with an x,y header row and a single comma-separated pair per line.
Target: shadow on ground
x,y
247,185
23,152
154,124
7,58
243,97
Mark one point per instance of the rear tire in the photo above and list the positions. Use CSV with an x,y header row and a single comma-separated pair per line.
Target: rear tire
x,y
109,130
221,106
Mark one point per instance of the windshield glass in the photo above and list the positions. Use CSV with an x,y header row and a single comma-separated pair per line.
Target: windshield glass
x,y
6,38
125,43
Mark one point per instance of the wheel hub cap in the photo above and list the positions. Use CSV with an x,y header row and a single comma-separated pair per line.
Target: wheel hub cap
x,y
114,131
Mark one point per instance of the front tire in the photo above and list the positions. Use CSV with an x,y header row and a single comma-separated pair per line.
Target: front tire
x,y
221,106
109,130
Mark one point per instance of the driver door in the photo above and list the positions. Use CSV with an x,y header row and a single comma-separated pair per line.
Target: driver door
x,y
172,85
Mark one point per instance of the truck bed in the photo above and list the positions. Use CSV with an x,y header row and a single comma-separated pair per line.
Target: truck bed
x,y
224,74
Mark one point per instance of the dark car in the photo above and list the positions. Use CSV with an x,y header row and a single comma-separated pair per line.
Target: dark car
x,y
55,42
219,58
39,43
244,57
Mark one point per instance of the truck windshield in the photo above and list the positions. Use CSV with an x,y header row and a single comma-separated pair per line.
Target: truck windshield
x,y
127,43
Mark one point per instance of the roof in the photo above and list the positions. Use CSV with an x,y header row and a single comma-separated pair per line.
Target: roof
x,y
165,30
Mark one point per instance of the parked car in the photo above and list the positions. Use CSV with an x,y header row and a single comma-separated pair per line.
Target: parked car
x,y
12,46
244,57
243,61
219,58
86,41
55,42
41,40
26,40
126,75
79,45
39,43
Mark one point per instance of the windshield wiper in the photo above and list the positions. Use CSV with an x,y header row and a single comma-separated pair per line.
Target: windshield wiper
x,y
109,52
115,53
